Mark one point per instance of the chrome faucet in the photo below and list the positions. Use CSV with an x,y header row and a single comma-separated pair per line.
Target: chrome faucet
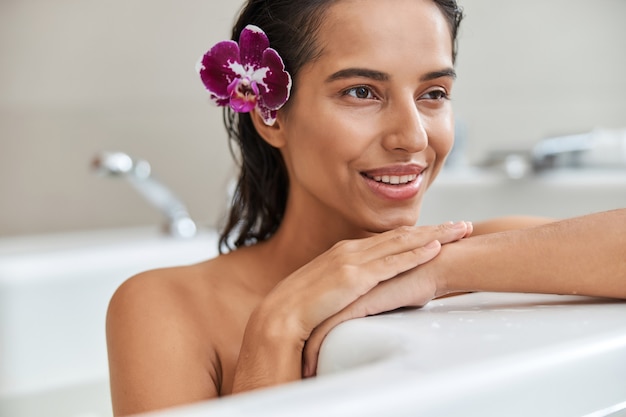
x,y
598,148
138,173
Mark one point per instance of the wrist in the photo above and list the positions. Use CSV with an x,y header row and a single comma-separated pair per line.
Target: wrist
x,y
278,326
270,354
447,267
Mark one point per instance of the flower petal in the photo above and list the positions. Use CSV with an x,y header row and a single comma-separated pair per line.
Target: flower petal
x,y
243,95
215,69
269,116
277,82
252,43
246,75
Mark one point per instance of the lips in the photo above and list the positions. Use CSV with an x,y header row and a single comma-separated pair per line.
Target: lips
x,y
400,182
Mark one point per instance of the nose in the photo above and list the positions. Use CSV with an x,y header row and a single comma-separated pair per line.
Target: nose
x,y
406,130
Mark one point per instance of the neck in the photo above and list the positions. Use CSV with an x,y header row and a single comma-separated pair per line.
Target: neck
x,y
303,235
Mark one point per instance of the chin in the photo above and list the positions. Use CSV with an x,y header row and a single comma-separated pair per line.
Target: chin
x,y
390,224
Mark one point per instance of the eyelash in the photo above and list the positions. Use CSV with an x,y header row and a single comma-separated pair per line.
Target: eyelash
x,y
439,94
353,89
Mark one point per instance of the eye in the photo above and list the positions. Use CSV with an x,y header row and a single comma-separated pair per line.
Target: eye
x,y
436,95
361,92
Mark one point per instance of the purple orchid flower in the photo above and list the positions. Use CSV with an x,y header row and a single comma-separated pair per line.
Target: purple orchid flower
x,y
246,75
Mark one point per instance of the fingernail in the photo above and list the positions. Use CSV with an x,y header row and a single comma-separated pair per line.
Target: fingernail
x,y
459,225
433,245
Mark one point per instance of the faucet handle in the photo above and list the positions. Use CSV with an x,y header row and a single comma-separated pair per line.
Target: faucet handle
x,y
604,148
137,173
120,164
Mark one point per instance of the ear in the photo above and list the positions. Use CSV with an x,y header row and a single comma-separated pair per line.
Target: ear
x,y
274,134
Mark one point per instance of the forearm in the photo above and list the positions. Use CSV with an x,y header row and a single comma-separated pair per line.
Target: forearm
x,y
502,224
585,255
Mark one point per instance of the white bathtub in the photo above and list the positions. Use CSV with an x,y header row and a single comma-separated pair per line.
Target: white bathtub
x,y
474,355
54,291
481,354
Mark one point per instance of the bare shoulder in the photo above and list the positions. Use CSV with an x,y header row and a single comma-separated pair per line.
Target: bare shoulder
x,y
161,350
502,224
155,291
185,296
163,296
173,334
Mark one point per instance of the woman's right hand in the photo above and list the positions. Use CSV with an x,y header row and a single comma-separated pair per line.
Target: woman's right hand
x,y
352,268
328,284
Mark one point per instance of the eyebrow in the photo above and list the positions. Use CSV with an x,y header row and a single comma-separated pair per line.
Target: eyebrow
x,y
447,72
383,76
358,72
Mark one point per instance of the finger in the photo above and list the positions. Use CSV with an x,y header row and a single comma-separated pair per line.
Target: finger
x,y
334,282
407,238
451,232
342,275
390,266
349,284
354,279
469,229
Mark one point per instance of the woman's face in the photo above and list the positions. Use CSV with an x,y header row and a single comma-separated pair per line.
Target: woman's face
x,y
370,123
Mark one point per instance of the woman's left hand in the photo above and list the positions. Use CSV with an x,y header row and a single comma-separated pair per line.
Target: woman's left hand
x,y
410,289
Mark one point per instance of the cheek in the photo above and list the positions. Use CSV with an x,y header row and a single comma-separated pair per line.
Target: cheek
x,y
308,140
326,134
441,137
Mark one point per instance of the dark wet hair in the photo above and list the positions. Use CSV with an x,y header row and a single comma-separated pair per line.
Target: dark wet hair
x,y
260,197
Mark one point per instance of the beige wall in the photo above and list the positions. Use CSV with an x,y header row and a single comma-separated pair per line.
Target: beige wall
x,y
77,77
535,68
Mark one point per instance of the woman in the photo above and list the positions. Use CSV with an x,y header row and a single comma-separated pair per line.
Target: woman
x,y
330,188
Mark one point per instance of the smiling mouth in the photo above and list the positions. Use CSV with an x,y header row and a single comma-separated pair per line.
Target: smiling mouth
x,y
393,179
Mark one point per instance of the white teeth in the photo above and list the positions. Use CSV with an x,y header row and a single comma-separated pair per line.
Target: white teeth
x,y
394,179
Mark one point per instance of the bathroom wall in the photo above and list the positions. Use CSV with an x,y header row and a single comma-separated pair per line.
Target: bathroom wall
x,y
531,69
78,77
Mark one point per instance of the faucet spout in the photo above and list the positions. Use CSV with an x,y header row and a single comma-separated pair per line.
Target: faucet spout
x,y
605,148
138,173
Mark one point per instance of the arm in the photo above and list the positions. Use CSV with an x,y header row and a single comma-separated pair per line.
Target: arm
x,y
271,352
502,224
584,255
156,359
162,353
